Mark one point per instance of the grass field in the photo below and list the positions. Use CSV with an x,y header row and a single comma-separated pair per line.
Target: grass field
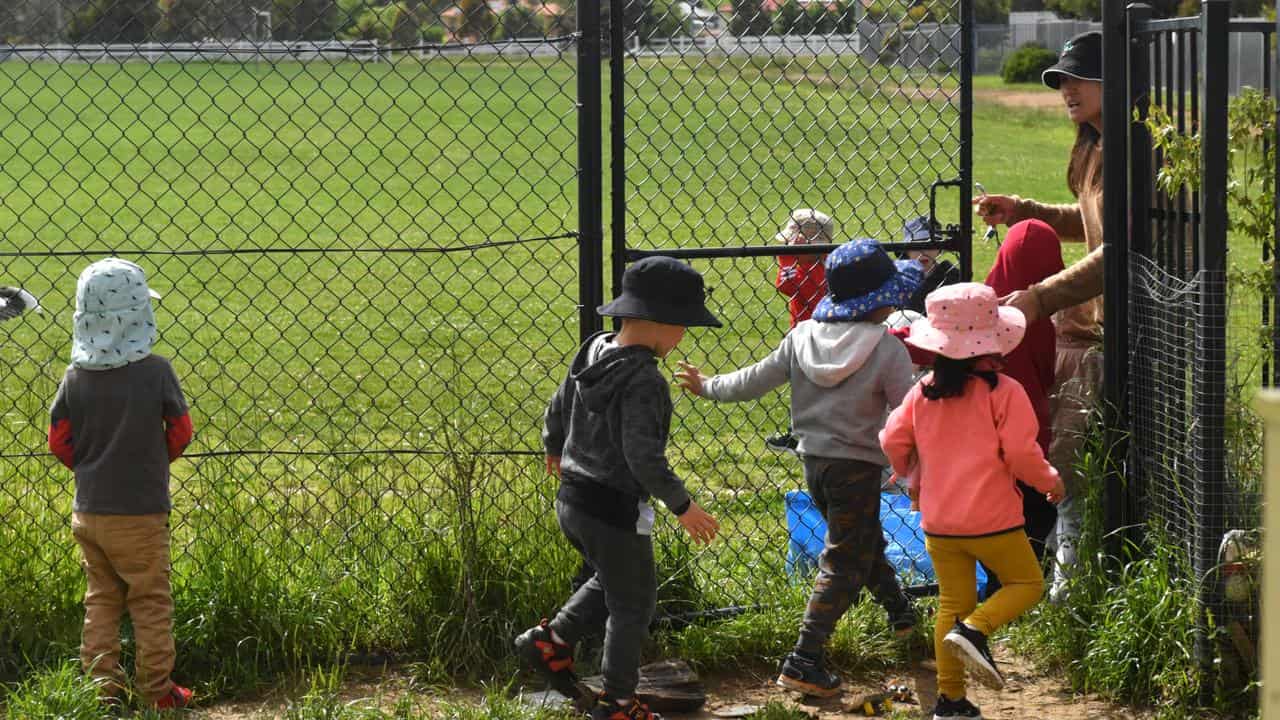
x,y
378,381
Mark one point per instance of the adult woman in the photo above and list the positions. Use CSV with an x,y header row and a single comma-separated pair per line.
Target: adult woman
x,y
1072,296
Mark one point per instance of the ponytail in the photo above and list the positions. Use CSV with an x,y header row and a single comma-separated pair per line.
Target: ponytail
x,y
950,376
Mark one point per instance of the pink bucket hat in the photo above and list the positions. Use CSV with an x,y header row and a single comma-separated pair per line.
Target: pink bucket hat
x,y
965,320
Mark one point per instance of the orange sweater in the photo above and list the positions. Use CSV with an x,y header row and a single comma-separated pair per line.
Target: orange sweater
x,y
967,451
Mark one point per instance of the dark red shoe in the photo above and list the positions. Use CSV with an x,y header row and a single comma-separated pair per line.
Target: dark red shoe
x,y
177,697
607,709
553,660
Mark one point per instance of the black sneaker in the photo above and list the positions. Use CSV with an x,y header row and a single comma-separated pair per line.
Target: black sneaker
x,y
782,442
970,647
808,676
962,709
607,709
902,621
554,660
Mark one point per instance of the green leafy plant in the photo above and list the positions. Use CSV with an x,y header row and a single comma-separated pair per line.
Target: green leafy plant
x,y
1027,63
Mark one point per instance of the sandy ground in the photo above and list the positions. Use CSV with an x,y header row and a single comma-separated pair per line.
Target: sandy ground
x,y
1028,695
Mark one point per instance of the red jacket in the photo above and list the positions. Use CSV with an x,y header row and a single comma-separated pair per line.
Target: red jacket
x,y
803,283
1031,252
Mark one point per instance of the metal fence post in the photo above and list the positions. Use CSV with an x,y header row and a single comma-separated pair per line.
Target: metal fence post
x,y
617,141
1115,234
967,55
1138,158
1209,380
590,171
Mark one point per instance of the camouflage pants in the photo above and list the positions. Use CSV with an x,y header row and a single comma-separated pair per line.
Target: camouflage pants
x,y
847,492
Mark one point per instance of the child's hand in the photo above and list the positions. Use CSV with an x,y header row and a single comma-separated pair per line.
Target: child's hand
x,y
553,465
690,378
700,526
1057,493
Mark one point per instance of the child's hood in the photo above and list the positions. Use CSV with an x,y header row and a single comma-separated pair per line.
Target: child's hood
x,y
601,369
828,353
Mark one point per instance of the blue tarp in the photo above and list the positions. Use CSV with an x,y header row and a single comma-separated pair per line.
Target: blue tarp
x,y
902,531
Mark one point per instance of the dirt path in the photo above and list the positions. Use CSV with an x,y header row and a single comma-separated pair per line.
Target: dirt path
x,y
1028,695
1019,98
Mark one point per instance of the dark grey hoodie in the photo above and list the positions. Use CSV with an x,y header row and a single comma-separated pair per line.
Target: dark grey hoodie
x,y
608,422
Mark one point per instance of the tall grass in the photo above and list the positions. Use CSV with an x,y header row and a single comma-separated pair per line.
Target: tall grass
x,y
1128,627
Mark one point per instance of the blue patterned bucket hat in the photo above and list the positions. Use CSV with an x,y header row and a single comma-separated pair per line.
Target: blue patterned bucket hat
x,y
113,323
861,277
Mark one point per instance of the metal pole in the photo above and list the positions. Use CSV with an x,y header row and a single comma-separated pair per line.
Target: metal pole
x,y
1115,234
618,140
1138,158
966,140
590,171
1209,380
1275,245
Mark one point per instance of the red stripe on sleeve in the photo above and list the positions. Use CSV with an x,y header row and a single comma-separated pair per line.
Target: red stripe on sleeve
x,y
177,434
60,442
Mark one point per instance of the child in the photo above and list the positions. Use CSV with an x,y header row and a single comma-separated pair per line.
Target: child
x,y
605,436
1030,253
971,509
846,372
801,277
936,272
118,420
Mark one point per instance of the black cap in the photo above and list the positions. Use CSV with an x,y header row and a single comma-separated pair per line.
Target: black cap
x,y
664,290
1081,58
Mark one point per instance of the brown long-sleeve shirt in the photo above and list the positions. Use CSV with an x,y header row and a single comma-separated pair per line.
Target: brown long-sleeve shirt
x,y
1075,294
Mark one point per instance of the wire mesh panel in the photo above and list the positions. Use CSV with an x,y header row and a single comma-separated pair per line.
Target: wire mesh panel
x,y
362,220
727,122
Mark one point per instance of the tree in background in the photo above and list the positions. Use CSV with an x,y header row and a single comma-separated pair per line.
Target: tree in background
x,y
750,18
478,21
518,21
113,21
1092,9
303,19
790,19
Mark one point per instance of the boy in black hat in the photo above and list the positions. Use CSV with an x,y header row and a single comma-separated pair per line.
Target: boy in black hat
x,y
605,436
846,373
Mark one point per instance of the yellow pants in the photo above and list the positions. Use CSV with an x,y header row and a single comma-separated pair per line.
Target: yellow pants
x,y
955,564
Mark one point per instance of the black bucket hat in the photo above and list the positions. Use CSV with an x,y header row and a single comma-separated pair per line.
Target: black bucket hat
x,y
664,290
1081,58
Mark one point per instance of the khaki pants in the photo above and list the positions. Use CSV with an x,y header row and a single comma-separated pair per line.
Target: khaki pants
x,y
1078,377
126,563
955,564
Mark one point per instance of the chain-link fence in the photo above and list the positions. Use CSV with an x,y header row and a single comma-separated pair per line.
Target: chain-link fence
x,y
716,146
378,239
1200,331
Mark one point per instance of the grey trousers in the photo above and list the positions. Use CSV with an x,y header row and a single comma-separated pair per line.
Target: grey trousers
x,y
622,596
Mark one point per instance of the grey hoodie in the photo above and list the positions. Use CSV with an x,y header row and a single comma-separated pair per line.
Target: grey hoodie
x,y
845,379
608,422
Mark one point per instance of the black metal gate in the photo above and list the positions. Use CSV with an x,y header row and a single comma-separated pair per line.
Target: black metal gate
x,y
714,140
1179,332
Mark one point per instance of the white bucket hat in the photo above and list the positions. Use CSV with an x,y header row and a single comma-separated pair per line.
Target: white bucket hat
x,y
807,216
113,323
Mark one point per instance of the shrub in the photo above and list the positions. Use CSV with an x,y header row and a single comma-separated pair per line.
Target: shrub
x,y
433,33
518,21
1027,63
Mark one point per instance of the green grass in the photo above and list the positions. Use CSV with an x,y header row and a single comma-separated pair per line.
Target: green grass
x,y
301,557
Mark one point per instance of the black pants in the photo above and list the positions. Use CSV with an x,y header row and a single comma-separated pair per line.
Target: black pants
x,y
847,492
621,595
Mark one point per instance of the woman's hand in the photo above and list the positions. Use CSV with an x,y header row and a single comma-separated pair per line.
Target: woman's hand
x,y
1026,301
690,378
995,209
